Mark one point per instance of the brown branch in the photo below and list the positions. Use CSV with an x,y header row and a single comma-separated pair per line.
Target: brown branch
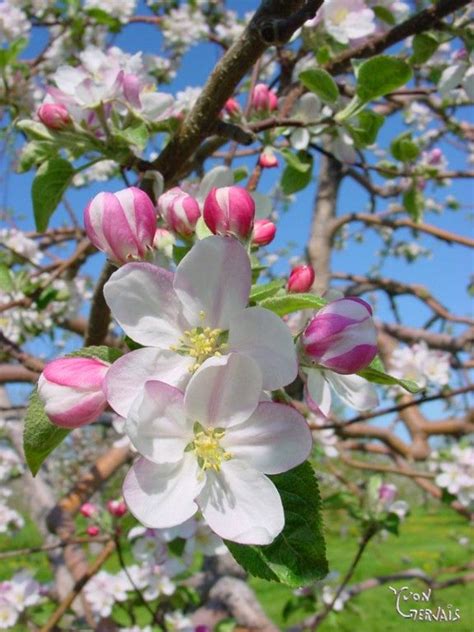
x,y
433,339
381,467
17,373
99,316
435,231
92,569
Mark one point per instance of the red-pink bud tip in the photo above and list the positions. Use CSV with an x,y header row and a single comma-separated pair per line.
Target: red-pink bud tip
x,y
301,279
263,232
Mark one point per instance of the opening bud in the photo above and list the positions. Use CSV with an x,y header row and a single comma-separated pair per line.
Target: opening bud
x,y
301,279
230,211
264,99
263,232
54,115
179,211
117,508
267,159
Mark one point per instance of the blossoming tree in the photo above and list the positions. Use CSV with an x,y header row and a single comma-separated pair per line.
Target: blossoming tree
x,y
197,403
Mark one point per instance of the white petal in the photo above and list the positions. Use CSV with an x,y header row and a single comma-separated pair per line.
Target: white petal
x,y
157,425
318,390
127,376
263,336
275,439
241,504
353,390
214,278
162,496
300,138
309,107
142,300
224,391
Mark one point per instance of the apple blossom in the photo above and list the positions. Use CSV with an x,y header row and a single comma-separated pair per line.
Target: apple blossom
x,y
232,107
264,232
121,224
301,279
54,115
88,510
267,159
116,508
345,20
342,336
186,318
179,210
92,530
229,211
211,447
264,99
71,389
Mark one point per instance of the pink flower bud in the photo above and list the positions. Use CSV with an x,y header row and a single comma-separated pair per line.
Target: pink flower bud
x,y
229,211
264,99
301,279
117,508
267,159
435,156
342,336
92,530
121,224
71,389
232,107
202,628
387,493
54,115
263,232
88,510
180,211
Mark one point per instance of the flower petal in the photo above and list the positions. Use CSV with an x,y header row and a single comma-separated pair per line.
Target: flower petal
x,y
353,390
162,496
214,278
157,425
143,302
263,336
224,391
275,439
318,390
127,376
241,504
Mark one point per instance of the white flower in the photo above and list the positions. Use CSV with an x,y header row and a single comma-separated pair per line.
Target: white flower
x,y
184,320
8,613
211,448
104,589
22,245
353,390
347,19
328,597
177,622
14,22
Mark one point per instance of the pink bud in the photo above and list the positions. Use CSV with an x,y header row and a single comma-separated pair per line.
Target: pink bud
x,y
229,211
121,224
264,99
88,510
232,107
117,508
71,389
202,628
180,211
54,115
301,279
387,493
342,336
263,232
461,54
267,159
92,530
435,156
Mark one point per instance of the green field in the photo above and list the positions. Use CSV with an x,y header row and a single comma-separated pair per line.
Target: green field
x,y
428,540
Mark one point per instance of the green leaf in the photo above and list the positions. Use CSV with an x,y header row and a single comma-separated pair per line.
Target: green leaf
x,y
424,46
265,290
376,77
34,153
240,174
384,14
6,281
179,252
413,202
35,130
8,55
367,128
403,148
298,162
49,185
40,436
378,376
294,180
321,83
288,303
102,17
135,134
380,75
201,230
298,555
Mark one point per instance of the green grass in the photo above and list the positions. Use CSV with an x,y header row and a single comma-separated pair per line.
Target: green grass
x,y
428,540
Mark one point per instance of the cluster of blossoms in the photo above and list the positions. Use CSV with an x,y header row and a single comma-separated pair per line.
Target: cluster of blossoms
x,y
196,395
385,502
455,472
426,367
10,468
16,595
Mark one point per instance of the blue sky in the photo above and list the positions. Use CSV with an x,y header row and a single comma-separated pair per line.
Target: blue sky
x,y
446,273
